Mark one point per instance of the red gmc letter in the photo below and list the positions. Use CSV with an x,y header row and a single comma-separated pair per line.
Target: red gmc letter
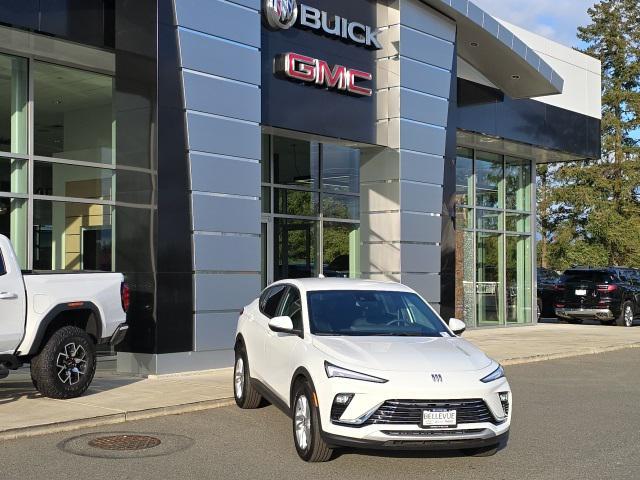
x,y
300,67
336,78
355,75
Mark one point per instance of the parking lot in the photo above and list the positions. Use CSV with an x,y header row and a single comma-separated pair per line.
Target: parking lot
x,y
573,419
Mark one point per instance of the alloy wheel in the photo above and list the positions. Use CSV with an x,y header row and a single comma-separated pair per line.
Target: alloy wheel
x,y
71,363
628,316
302,420
239,378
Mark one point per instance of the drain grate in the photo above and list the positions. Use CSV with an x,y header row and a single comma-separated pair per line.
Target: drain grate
x,y
125,443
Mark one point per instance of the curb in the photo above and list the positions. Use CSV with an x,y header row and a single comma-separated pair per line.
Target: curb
x,y
114,419
559,356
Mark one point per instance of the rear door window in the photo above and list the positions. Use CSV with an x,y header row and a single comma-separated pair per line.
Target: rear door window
x,y
271,299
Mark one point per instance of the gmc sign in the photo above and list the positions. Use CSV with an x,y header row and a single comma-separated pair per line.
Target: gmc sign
x,y
312,70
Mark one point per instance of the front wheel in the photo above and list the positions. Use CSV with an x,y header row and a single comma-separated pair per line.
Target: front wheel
x,y
626,315
65,366
307,434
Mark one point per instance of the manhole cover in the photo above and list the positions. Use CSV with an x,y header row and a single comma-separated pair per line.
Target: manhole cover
x,y
125,442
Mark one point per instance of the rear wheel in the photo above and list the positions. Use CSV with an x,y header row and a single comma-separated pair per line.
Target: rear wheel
x,y
65,366
244,393
306,426
626,315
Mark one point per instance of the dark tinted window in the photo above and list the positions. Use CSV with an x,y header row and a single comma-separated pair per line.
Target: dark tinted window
x,y
2,269
587,276
271,299
292,307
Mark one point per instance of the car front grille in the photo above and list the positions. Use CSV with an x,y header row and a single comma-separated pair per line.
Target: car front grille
x,y
409,412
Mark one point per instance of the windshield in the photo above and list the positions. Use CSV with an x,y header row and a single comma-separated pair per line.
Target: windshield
x,y
372,313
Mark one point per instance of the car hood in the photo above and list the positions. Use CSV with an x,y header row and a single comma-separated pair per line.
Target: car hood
x,y
405,354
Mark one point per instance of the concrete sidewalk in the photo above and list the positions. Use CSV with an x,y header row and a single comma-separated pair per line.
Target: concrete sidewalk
x,y
115,398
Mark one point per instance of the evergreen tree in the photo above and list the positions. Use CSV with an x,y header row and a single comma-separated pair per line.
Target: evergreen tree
x,y
594,206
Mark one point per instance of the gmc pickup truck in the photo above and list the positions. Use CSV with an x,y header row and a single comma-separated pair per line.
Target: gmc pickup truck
x,y
54,322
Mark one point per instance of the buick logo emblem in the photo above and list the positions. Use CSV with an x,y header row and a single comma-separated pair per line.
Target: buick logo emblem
x,y
436,377
281,13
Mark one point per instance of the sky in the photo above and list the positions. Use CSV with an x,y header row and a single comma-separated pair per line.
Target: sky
x,y
555,19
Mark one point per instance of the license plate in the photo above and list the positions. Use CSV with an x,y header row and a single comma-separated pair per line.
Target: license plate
x,y
439,417
581,293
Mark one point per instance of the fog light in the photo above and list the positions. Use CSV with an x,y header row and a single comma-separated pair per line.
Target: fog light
x,y
340,404
343,398
504,400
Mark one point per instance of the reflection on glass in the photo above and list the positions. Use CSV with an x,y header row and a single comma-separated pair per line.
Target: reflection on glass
x,y
517,222
489,172
296,202
74,115
13,104
517,184
518,266
295,248
489,220
266,200
13,224
464,217
13,175
464,176
72,236
340,168
489,278
341,206
296,162
62,180
341,250
464,277
266,158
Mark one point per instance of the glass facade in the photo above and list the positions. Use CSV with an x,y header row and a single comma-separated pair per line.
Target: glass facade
x,y
311,209
57,165
494,238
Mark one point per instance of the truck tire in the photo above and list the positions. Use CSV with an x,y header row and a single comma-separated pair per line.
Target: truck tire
x,y
65,366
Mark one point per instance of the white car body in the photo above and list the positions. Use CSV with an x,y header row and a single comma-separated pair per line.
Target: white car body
x,y
425,369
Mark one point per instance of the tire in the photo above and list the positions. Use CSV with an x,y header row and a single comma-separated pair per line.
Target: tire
x,y
575,321
65,366
244,393
307,433
489,451
626,315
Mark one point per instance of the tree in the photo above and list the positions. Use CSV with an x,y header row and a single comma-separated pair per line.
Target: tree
x,y
593,207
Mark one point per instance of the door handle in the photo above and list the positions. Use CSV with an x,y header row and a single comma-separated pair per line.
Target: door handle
x,y
8,296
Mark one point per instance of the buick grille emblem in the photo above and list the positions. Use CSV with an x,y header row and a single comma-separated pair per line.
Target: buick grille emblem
x,y
281,13
436,377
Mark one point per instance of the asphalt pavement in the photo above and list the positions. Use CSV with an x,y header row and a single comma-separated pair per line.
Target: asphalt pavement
x,y
574,418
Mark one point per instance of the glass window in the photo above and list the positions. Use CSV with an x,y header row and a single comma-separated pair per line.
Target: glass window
x,y
296,202
296,248
489,220
518,280
364,312
63,180
13,225
271,299
266,200
296,162
517,222
345,207
292,308
489,173
464,217
13,175
72,236
340,168
464,176
266,158
74,116
517,177
341,249
489,278
13,104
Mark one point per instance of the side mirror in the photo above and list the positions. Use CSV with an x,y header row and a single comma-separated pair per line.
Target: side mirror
x,y
457,326
282,325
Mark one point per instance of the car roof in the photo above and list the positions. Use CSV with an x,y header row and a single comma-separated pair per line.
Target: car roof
x,y
320,284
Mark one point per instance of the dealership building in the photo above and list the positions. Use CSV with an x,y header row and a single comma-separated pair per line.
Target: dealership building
x,y
207,148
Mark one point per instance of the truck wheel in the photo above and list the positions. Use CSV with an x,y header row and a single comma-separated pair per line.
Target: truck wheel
x,y
307,434
65,366
626,315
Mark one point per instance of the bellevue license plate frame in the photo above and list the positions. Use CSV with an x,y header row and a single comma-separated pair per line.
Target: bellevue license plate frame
x,y
439,418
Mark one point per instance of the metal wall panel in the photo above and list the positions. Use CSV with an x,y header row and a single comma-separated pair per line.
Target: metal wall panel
x,y
223,135
224,292
226,253
421,167
240,176
212,213
215,331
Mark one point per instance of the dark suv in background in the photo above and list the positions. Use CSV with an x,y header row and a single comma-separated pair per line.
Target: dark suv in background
x,y
611,295
547,281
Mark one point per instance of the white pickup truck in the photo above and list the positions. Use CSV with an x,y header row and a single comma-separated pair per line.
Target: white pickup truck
x,y
54,322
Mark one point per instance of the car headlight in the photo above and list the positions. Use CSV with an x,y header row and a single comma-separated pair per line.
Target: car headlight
x,y
338,372
495,375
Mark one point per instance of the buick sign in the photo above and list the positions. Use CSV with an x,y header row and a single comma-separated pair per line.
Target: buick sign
x,y
281,13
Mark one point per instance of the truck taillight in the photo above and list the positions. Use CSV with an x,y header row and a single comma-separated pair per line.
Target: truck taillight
x,y
607,288
125,296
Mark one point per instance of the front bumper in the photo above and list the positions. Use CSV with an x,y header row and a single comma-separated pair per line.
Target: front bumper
x,y
585,313
119,334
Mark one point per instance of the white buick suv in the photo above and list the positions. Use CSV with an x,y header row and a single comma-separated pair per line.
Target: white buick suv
x,y
368,364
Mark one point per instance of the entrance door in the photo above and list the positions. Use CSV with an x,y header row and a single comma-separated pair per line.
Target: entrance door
x,y
296,248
